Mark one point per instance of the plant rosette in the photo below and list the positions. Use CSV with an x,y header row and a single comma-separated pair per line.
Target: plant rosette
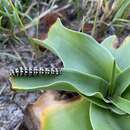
x,y
98,72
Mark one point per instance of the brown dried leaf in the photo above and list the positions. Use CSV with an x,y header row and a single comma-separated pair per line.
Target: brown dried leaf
x,y
37,112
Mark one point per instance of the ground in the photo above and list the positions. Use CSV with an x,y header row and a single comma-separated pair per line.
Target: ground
x,y
13,104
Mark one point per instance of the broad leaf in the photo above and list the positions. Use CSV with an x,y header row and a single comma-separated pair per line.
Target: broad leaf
x,y
48,113
71,116
121,54
122,82
122,104
105,105
69,80
109,43
78,51
102,119
92,87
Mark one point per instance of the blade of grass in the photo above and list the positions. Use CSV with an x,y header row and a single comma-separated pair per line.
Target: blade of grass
x,y
9,55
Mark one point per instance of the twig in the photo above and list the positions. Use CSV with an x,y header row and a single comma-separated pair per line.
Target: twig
x,y
30,7
2,89
52,3
34,21
81,28
9,55
17,54
62,8
96,18
87,16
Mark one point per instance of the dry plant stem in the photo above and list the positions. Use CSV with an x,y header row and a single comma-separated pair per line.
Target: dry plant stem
x,y
104,17
17,54
30,7
52,3
90,11
107,14
62,8
87,16
85,2
18,125
34,22
96,19
2,89
9,55
38,13
81,28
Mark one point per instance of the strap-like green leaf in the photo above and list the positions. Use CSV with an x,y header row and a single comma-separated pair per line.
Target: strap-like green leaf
x,y
105,105
121,54
122,82
109,43
124,5
103,119
126,93
122,104
71,116
79,51
92,87
69,80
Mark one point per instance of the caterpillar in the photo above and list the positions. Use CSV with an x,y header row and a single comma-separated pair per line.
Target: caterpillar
x,y
34,71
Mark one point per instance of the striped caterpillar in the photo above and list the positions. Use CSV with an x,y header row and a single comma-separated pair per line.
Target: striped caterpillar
x,y
34,71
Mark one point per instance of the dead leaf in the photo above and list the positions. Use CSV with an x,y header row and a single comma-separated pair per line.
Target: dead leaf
x,y
37,112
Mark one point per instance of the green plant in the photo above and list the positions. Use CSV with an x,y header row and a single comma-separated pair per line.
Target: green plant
x,y
15,19
98,72
9,15
109,13
114,9
12,19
